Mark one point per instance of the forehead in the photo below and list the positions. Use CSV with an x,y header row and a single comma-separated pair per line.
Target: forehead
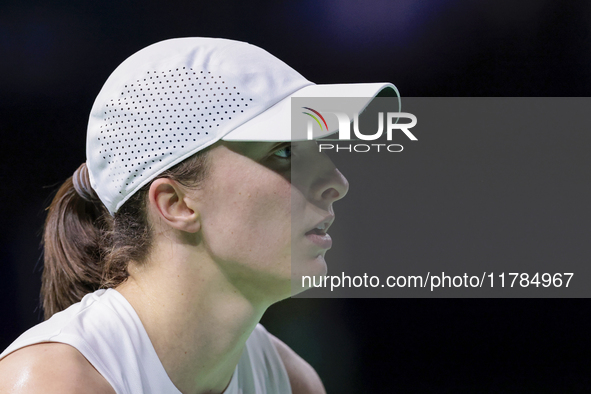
x,y
257,148
253,150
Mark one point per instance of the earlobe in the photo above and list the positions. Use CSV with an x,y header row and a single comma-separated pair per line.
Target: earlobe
x,y
172,205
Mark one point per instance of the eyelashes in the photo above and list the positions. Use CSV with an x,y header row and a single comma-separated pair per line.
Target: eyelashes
x,y
283,153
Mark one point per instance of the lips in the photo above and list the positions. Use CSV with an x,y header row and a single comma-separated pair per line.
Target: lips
x,y
316,231
322,226
318,235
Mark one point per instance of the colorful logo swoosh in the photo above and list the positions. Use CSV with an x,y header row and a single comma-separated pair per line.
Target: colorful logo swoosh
x,y
315,118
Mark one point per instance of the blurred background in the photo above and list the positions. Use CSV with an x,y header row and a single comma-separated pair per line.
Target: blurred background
x,y
55,56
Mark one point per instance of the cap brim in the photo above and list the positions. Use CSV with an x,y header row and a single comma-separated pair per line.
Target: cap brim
x,y
274,124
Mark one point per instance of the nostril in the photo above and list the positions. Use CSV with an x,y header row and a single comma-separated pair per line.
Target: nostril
x,y
336,187
331,194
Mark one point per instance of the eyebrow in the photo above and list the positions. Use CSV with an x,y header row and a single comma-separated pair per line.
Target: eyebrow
x,y
280,144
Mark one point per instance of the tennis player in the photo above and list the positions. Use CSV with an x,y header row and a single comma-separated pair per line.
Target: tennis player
x,y
165,248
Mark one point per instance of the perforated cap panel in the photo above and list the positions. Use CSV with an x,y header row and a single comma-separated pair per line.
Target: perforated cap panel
x,y
173,99
160,115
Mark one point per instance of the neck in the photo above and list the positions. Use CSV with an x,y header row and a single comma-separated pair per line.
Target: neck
x,y
197,320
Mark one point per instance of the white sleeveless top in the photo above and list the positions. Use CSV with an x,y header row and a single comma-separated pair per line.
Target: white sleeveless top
x,y
105,328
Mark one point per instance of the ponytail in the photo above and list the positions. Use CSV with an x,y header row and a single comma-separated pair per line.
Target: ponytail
x,y
75,233
86,249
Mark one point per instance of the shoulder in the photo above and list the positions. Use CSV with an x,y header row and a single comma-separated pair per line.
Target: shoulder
x,y
302,377
50,368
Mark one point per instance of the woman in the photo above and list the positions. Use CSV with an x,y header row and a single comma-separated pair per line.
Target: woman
x,y
165,248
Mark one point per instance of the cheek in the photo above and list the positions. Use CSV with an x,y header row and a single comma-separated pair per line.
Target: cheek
x,y
249,219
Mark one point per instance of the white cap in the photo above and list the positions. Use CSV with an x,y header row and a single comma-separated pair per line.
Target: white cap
x,y
177,97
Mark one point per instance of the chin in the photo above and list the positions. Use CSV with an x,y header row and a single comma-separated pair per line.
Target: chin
x,y
315,267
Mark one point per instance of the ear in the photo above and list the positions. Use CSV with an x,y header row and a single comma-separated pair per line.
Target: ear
x,y
171,204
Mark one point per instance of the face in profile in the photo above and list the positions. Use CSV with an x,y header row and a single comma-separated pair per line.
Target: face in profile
x,y
266,208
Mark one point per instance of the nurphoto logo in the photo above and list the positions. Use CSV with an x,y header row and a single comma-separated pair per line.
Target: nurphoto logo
x,y
392,125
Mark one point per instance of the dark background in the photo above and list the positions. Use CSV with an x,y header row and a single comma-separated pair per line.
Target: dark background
x,y
54,57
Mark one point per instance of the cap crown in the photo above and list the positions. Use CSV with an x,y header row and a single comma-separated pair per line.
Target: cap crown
x,y
173,99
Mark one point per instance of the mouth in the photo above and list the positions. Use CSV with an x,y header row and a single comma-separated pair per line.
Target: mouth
x,y
319,236
322,227
317,231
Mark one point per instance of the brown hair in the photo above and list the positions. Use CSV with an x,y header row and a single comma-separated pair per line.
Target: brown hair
x,y
85,248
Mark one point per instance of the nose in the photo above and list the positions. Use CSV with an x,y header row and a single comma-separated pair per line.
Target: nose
x,y
329,184
333,186
315,175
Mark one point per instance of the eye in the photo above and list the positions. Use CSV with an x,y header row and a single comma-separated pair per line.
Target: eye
x,y
284,153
